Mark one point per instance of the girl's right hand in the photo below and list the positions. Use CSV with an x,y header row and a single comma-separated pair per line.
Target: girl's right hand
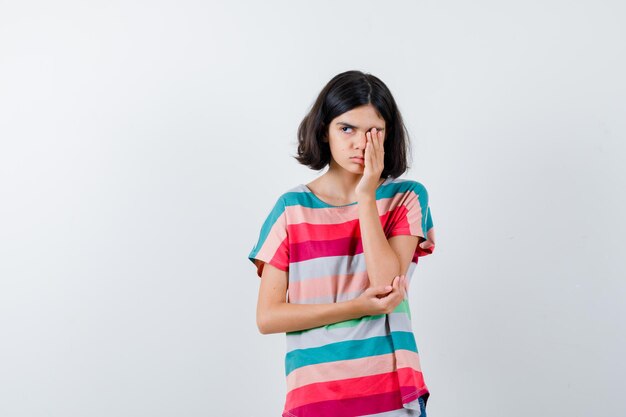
x,y
370,304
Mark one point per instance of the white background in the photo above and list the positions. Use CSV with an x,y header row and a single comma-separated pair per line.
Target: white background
x,y
143,143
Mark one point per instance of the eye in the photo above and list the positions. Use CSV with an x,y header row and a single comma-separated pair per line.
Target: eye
x,y
345,127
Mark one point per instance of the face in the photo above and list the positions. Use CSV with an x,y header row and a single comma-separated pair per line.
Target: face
x,y
346,137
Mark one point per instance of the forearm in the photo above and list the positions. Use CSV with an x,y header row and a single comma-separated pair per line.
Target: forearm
x,y
288,317
381,261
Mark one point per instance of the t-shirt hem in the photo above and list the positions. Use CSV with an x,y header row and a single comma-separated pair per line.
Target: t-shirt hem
x,y
410,397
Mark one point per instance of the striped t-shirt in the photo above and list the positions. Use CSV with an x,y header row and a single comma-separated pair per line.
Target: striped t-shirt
x,y
363,367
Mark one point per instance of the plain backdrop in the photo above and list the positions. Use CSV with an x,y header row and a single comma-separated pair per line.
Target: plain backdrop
x,y
143,143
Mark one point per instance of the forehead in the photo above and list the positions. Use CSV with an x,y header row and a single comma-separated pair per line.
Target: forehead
x,y
362,116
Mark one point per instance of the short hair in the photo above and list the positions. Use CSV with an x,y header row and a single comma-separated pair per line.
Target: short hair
x,y
343,93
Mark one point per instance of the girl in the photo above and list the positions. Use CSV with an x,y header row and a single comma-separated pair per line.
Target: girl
x,y
335,257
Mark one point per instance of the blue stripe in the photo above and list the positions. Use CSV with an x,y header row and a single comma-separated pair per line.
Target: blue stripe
x,y
277,211
307,199
350,349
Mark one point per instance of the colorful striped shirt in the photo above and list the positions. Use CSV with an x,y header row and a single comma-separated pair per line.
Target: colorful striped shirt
x,y
368,366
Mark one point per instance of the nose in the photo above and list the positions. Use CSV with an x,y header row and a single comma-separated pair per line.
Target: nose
x,y
360,141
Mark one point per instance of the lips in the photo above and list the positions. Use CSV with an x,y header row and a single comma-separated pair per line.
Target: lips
x,y
358,159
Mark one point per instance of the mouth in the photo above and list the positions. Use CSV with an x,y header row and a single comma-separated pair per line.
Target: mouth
x,y
358,160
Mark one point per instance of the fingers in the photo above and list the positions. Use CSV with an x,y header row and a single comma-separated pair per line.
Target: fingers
x,y
391,286
369,151
400,289
398,286
385,299
380,289
395,283
374,142
376,139
391,301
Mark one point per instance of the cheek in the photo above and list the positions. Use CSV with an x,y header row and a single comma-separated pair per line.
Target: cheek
x,y
338,146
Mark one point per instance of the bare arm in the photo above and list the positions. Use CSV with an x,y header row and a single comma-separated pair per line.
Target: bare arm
x,y
384,259
381,262
275,315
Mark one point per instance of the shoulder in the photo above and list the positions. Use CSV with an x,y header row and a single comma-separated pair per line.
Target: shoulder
x,y
286,201
405,185
287,197
300,196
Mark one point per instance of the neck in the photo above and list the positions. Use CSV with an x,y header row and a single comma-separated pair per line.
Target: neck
x,y
340,183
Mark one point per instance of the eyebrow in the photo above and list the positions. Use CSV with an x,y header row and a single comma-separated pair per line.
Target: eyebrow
x,y
355,127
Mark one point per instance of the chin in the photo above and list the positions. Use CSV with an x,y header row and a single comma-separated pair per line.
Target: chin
x,y
357,170
353,168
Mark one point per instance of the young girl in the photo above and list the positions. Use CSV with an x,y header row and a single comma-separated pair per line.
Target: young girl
x,y
335,257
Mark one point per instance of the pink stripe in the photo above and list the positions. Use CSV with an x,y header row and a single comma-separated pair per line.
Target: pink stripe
x,y
304,232
409,221
310,241
428,246
349,407
275,239
351,387
313,224
352,368
301,214
329,246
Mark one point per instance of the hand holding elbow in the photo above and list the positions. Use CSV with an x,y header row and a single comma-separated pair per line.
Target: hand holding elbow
x,y
383,299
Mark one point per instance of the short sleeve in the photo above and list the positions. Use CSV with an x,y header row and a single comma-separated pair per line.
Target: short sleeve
x,y
273,244
413,217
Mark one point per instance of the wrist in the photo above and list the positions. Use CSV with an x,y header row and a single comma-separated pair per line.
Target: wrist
x,y
356,307
364,198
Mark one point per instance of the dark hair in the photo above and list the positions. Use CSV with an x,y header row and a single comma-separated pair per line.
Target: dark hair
x,y
343,93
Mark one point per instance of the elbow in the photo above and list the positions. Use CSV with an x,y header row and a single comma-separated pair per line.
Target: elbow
x,y
263,323
262,326
270,318
384,280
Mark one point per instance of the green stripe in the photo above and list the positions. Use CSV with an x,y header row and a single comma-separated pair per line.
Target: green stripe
x,y
403,307
340,324
350,349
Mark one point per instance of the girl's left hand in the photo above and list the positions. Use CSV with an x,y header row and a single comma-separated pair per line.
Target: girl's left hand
x,y
374,164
